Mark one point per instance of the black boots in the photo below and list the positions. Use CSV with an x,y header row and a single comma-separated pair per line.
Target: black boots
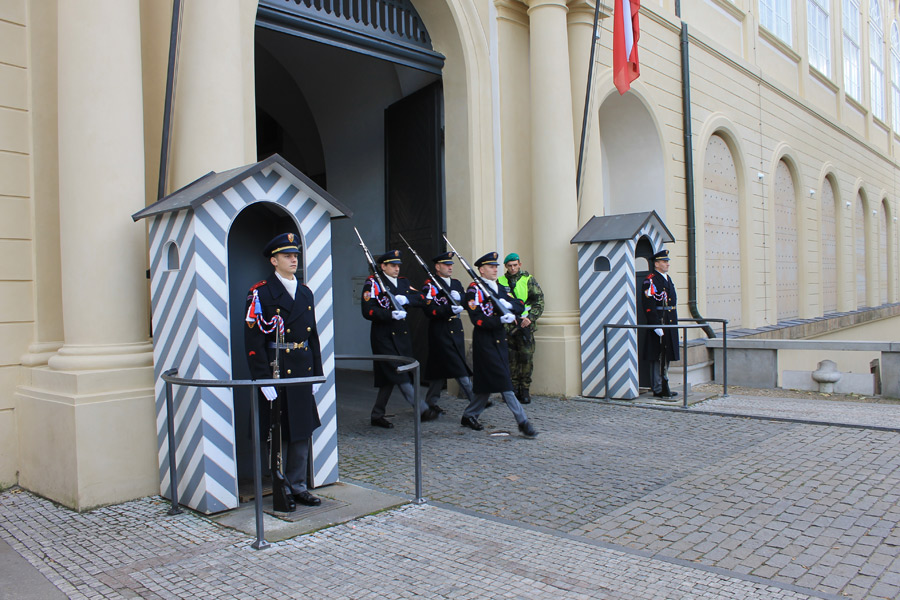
x,y
523,395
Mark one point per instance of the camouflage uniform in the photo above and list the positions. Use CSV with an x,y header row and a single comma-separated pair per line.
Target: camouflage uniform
x,y
521,341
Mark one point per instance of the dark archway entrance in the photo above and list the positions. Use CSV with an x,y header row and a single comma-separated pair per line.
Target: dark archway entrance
x,y
350,93
643,263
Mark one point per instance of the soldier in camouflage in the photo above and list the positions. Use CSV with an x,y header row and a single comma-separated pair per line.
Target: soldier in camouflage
x,y
520,335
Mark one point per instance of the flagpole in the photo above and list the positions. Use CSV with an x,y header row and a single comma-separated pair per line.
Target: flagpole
x,y
587,100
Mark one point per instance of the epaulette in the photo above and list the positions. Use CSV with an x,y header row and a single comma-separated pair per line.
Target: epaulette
x,y
258,284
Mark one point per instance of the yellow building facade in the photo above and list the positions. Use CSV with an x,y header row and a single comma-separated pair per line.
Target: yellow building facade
x,y
794,150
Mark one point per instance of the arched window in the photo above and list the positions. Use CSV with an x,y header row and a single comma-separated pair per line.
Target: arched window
x,y
876,59
775,15
895,77
851,42
818,16
173,262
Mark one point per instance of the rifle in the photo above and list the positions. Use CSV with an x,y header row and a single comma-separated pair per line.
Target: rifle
x,y
485,289
376,272
437,280
279,483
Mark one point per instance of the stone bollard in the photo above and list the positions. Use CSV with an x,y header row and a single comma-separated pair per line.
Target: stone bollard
x,y
826,375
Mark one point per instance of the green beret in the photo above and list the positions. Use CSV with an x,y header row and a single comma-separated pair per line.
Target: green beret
x,y
510,257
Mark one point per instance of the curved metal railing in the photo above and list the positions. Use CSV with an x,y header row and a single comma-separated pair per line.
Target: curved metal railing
x,y
701,325
171,379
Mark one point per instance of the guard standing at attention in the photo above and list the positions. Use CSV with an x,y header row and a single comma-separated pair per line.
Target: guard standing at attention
x,y
520,334
446,339
390,334
281,321
660,345
490,356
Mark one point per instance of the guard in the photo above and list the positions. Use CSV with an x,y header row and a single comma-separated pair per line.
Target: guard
x,y
490,355
390,333
281,340
660,345
446,339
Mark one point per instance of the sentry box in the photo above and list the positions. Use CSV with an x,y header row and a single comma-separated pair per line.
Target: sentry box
x,y
206,242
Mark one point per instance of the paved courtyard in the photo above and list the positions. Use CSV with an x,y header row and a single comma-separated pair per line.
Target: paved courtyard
x,y
609,501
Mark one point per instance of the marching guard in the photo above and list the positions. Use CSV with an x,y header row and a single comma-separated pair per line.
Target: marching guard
x,y
446,339
384,298
489,310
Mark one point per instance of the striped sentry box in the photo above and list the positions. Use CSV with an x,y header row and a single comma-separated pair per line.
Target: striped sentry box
x,y
608,295
191,325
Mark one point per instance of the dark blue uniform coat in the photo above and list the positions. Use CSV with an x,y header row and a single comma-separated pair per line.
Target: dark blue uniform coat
x,y
446,339
387,335
300,414
490,354
659,300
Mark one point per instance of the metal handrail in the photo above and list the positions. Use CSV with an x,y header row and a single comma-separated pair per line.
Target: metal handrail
x,y
409,364
701,324
170,379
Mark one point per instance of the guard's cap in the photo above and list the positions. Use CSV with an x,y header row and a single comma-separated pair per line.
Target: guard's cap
x,y
510,257
445,258
391,256
288,243
488,259
661,255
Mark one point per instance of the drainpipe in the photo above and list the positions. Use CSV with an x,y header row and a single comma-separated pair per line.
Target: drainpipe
x,y
689,177
170,97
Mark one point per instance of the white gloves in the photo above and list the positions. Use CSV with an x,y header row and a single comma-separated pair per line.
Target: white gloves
x,y
658,332
269,392
316,387
401,300
398,315
507,318
505,303
455,295
456,309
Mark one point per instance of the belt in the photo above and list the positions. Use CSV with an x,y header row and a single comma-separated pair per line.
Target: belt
x,y
287,345
665,308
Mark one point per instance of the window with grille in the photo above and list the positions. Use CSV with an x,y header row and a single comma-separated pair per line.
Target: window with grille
x,y
895,77
876,59
851,34
775,15
819,35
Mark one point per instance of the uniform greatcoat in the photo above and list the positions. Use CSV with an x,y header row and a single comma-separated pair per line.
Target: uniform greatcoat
x,y
300,413
387,335
490,354
446,339
659,301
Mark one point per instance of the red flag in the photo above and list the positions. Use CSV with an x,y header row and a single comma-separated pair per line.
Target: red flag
x,y
625,36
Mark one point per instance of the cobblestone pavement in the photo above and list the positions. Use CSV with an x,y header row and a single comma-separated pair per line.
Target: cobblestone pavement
x,y
808,409
609,501
418,551
807,505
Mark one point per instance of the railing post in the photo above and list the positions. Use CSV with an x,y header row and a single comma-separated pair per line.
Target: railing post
x,y
260,542
605,365
173,446
684,367
725,358
419,498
